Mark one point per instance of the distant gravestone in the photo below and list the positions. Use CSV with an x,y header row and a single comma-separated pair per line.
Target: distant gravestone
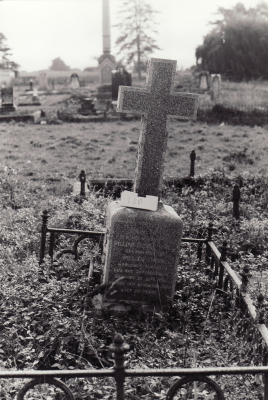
x,y
6,76
7,99
74,81
105,71
215,87
120,78
35,97
203,81
43,82
141,245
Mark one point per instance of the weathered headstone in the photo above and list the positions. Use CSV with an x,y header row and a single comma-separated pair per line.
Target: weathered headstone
x,y
120,78
74,81
106,67
142,246
87,107
43,82
7,99
215,86
6,76
35,97
203,81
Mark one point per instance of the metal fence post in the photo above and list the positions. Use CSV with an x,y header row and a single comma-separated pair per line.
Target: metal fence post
x,y
119,348
236,198
209,239
45,217
223,257
265,386
245,278
82,177
199,247
192,158
224,251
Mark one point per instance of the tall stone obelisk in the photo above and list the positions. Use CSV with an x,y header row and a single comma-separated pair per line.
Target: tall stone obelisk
x,y
106,61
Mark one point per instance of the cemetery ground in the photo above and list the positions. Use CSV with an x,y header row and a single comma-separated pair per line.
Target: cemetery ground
x,y
51,321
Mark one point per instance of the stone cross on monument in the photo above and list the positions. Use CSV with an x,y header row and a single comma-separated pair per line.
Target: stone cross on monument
x,y
155,104
141,245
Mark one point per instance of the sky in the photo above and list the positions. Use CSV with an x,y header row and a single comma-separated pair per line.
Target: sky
x,y
38,31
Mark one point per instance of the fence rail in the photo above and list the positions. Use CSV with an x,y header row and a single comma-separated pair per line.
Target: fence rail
x,y
97,237
119,373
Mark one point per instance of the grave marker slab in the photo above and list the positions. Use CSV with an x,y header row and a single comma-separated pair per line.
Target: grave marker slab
x,y
43,81
216,86
142,246
74,81
7,99
203,81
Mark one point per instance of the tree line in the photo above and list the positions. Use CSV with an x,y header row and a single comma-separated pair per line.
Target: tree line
x,y
238,43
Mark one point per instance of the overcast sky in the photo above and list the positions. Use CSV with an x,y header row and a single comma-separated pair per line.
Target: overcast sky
x,y
39,31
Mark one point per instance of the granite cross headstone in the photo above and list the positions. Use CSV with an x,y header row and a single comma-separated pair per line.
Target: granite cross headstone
x,y
142,246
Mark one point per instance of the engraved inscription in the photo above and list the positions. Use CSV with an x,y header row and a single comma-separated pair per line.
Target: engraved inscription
x,y
146,258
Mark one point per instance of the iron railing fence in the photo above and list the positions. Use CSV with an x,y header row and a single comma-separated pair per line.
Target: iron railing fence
x,y
233,289
96,237
119,373
228,283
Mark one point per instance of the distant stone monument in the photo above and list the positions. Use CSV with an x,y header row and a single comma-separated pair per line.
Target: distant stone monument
x,y
43,82
215,87
142,245
120,77
74,81
7,99
106,61
203,81
6,76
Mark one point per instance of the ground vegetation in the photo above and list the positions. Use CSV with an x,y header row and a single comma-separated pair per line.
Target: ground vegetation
x,y
49,320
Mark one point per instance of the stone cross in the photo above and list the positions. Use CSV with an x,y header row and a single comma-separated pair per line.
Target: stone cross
x,y
155,103
142,246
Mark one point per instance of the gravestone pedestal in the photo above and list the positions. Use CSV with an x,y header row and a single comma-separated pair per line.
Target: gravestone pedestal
x,y
142,246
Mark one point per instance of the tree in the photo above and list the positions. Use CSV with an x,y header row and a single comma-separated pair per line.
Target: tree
x,y
59,65
4,49
238,43
136,27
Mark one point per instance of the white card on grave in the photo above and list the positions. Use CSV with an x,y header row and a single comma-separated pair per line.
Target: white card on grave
x,y
131,199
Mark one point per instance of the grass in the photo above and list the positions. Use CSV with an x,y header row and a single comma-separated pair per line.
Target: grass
x,y
63,150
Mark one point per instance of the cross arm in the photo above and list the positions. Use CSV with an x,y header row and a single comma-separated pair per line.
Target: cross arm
x,y
183,105
132,100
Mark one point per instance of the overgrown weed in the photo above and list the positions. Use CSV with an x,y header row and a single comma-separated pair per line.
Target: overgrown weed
x,y
48,319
